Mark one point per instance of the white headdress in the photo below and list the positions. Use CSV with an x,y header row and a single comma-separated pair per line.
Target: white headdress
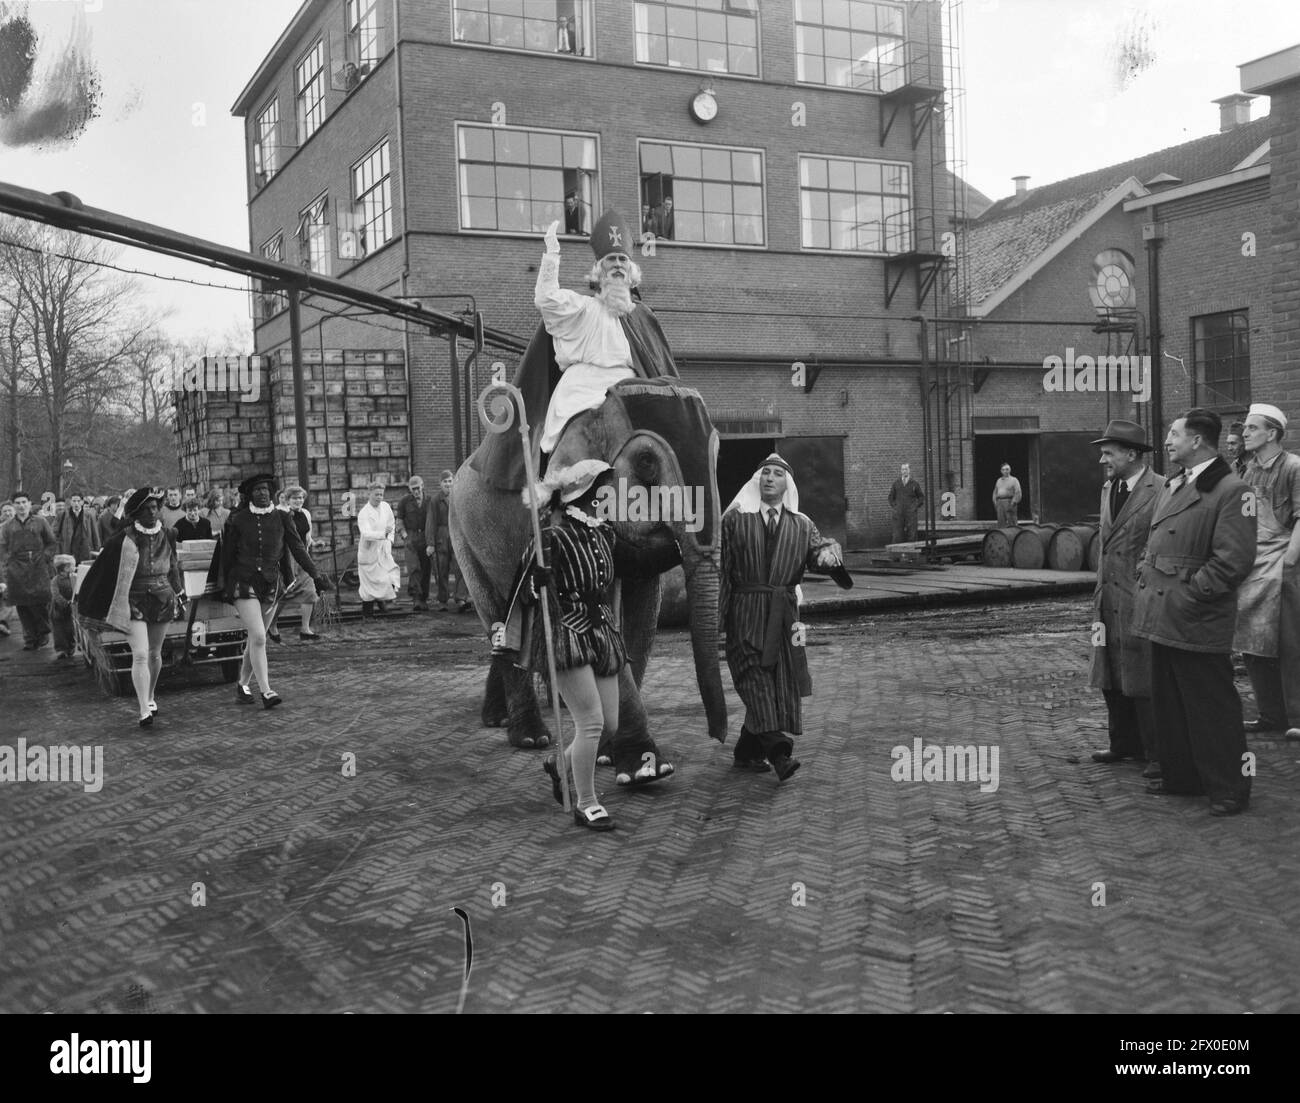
x,y
749,499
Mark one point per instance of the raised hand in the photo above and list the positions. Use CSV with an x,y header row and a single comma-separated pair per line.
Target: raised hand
x,y
553,237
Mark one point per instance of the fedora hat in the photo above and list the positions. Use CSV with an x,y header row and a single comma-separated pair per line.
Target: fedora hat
x,y
1128,433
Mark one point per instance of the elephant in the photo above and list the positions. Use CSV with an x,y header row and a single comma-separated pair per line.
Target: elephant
x,y
657,436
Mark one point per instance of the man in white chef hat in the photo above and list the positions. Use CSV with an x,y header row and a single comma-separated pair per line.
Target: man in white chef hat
x,y
1268,603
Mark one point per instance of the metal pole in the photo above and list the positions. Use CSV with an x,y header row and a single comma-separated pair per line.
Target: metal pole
x,y
515,409
455,401
299,389
927,436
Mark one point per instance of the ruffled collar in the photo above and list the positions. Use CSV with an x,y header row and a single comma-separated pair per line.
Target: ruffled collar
x,y
585,518
157,528
259,510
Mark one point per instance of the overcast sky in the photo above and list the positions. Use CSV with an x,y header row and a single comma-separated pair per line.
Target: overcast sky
x,y
1052,88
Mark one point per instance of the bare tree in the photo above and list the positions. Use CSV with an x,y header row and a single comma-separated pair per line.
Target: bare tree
x,y
77,325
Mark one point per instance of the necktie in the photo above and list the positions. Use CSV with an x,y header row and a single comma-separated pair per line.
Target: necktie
x,y
1118,496
771,524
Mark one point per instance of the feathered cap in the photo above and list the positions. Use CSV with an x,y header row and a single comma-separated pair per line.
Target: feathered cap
x,y
246,487
138,499
572,482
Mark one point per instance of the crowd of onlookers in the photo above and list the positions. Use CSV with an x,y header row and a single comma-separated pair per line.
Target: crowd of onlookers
x,y
42,541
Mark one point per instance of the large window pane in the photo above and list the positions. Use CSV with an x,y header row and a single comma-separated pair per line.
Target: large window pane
x,y
848,43
539,26
714,194
849,205
517,180
707,35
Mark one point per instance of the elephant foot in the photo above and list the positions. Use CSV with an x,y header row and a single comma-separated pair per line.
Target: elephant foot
x,y
531,735
605,751
649,771
490,718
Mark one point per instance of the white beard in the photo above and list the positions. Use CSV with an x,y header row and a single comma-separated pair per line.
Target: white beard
x,y
617,297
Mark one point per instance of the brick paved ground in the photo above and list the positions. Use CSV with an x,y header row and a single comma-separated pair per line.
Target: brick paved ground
x,y
332,893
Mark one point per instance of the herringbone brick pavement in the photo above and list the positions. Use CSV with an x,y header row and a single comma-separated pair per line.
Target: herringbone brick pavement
x,y
843,890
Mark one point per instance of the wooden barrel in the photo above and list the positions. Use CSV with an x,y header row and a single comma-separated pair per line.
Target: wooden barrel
x,y
995,551
1094,551
1029,552
1067,550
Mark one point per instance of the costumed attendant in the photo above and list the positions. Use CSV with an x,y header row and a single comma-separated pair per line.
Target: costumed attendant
x,y
258,547
380,574
767,544
582,553
135,585
303,589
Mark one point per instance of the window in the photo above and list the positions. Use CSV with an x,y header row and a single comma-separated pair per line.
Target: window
x,y
309,88
269,303
847,43
313,236
706,194
1221,344
717,36
371,223
543,26
266,149
855,206
515,180
362,19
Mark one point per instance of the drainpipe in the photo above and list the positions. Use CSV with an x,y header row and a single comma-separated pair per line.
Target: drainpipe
x,y
406,237
1154,233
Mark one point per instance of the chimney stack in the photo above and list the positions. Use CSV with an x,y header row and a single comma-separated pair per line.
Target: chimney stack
x,y
1022,185
1234,111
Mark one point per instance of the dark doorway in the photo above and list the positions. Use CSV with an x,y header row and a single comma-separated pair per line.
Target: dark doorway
x,y
992,450
1070,477
818,464
738,459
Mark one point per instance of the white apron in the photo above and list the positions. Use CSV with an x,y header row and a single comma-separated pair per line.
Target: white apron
x,y
1259,600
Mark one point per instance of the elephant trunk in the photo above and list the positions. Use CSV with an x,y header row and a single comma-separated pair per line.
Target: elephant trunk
x,y
702,580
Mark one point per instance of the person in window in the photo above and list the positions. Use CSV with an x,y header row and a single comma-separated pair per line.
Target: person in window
x,y
649,221
666,219
572,214
564,36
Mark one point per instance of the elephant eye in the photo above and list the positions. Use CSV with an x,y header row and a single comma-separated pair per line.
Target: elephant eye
x,y
646,465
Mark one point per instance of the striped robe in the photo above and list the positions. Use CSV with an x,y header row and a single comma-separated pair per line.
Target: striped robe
x,y
771,690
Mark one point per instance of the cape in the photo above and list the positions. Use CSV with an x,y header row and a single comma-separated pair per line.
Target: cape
x,y
500,458
104,591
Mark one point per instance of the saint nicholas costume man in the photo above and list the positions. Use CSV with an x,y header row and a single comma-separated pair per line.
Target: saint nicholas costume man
x,y
765,550
582,348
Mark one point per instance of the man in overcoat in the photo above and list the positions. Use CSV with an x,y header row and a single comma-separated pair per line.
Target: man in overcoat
x,y
1200,549
27,548
1121,662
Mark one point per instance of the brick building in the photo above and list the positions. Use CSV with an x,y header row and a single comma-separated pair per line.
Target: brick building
x,y
1067,269
792,156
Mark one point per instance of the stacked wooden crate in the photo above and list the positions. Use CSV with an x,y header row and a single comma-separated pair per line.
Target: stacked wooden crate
x,y
358,429
220,438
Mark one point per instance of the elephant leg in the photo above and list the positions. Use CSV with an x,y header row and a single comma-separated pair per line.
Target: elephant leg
x,y
525,726
637,760
496,708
